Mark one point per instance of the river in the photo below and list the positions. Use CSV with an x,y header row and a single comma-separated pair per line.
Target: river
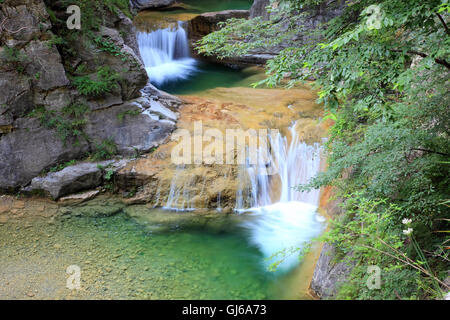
x,y
172,251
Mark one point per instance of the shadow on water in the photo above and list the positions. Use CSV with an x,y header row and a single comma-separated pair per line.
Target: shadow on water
x,y
202,6
211,76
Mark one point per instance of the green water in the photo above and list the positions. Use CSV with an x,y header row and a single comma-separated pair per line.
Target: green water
x,y
163,256
210,76
201,6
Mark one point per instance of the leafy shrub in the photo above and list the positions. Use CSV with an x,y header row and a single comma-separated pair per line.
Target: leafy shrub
x,y
61,166
370,231
15,58
104,150
67,123
105,82
107,45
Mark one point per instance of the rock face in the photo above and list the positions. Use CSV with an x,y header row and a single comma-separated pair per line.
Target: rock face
x,y
331,270
329,274
150,4
207,23
31,148
36,130
45,65
129,132
258,9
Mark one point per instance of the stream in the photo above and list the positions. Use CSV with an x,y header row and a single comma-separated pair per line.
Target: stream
x,y
181,254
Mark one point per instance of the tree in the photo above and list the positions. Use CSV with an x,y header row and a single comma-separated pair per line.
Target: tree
x,y
381,69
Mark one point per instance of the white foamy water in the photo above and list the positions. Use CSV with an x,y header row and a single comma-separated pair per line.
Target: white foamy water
x,y
280,229
276,226
165,53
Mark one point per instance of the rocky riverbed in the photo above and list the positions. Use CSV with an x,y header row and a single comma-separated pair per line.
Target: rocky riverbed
x,y
65,207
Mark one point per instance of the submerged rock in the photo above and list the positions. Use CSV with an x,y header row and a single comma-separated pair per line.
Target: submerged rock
x,y
103,206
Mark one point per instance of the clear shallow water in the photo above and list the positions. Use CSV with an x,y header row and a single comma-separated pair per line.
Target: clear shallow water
x,y
200,258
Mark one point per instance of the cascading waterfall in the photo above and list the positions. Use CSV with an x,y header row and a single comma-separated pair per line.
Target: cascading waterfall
x,y
292,162
276,226
281,228
165,53
280,220
179,198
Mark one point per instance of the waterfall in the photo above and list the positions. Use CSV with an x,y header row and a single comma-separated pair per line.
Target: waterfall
x,y
281,228
165,53
179,198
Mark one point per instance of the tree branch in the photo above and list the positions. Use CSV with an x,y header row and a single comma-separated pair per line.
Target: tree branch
x,y
424,55
431,151
443,23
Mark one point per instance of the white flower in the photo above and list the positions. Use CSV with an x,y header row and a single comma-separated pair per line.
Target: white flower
x,y
406,221
408,231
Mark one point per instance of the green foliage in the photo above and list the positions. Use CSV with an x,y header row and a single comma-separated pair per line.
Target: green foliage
x,y
105,80
61,166
121,115
104,150
56,41
107,45
396,283
93,15
370,232
280,256
95,11
116,5
15,58
68,123
109,174
381,69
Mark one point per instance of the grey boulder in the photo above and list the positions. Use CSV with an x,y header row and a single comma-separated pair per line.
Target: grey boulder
x,y
29,149
72,179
